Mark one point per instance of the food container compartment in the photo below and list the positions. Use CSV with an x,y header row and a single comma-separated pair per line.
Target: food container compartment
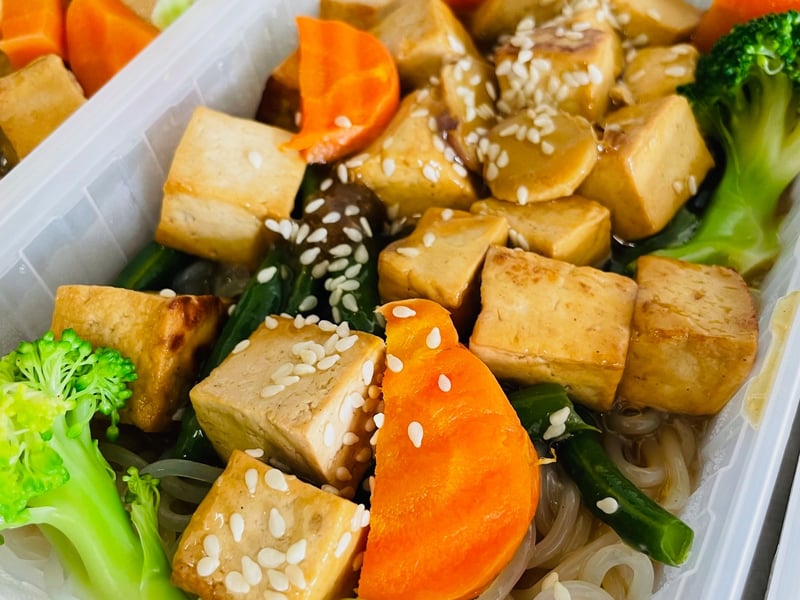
x,y
88,198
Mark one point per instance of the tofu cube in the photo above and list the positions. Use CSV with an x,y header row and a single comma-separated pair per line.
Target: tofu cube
x,y
657,71
260,534
573,229
165,337
694,337
422,36
539,154
304,393
493,18
656,22
652,160
441,260
569,69
410,167
227,176
545,320
280,99
35,100
362,14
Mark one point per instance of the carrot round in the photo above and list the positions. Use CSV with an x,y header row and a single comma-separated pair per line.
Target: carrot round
x,y
30,29
102,37
457,478
724,14
349,89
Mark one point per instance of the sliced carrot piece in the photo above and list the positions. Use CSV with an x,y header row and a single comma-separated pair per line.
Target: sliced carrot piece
x,y
349,89
102,37
724,14
30,29
457,478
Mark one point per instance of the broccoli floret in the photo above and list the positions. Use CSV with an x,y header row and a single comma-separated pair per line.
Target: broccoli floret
x,y
746,98
53,475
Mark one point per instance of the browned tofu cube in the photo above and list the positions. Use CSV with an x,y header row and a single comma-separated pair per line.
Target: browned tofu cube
x,y
303,392
652,161
422,36
538,154
493,18
165,336
694,337
656,22
570,69
657,71
441,260
544,320
35,100
280,99
262,535
572,229
410,167
363,14
227,176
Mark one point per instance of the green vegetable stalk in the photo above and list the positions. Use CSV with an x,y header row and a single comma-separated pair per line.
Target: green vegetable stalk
x,y
549,416
53,475
746,97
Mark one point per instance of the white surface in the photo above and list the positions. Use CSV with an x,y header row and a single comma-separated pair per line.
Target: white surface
x,y
81,204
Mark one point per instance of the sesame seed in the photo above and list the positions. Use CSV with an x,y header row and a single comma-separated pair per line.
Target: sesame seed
x,y
240,346
326,184
353,234
378,419
394,364
270,558
344,542
276,480
309,256
430,172
329,435
332,217
211,545
278,580
367,371
502,160
415,433
554,431
277,524
340,264
434,338
364,455
419,112
409,252
522,194
344,344
361,254
237,526
266,275
608,505
251,480
428,239
207,565
352,271
341,172
251,571
636,75
326,326
341,250
677,185
444,383
491,171
327,362
455,44
302,233
296,576
547,148
350,303
285,227
167,293
343,329
349,439
304,369
595,74
343,121
235,583
692,182
343,474
403,312
255,452
308,303
676,71
327,487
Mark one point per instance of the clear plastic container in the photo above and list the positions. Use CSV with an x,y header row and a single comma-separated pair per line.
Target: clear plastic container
x,y
80,206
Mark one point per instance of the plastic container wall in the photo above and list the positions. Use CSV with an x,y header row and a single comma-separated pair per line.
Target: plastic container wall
x,y
88,198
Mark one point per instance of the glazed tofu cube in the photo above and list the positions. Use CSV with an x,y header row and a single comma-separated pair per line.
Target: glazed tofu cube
x,y
494,18
165,336
653,159
410,167
545,320
694,337
572,69
656,22
262,535
441,260
657,71
469,89
572,229
305,393
35,100
363,14
539,154
227,176
280,100
422,36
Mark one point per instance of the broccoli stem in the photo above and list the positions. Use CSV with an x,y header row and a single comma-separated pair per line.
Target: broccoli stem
x,y
90,528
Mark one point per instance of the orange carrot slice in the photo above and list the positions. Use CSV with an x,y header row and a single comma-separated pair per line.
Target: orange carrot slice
x,y
30,29
457,478
349,89
102,37
724,14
